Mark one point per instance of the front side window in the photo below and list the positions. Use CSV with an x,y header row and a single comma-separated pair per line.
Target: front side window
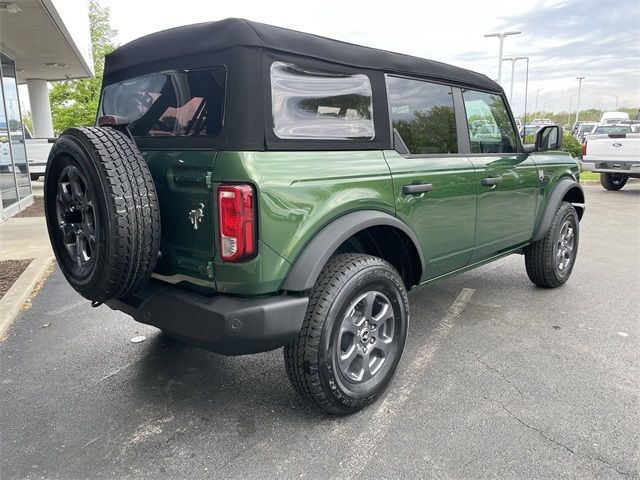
x,y
171,103
423,114
490,129
320,105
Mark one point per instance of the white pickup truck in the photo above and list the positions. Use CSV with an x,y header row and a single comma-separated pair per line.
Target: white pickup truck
x,y
615,155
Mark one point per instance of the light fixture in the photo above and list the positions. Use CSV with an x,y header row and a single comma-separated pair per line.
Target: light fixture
x,y
10,7
56,65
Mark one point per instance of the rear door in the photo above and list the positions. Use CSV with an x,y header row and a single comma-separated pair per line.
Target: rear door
x,y
507,178
434,185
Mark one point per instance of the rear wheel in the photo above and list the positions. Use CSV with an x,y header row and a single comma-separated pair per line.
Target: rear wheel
x,y
613,181
550,261
102,212
353,334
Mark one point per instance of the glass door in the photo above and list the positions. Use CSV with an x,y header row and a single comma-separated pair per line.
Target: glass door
x,y
8,188
13,116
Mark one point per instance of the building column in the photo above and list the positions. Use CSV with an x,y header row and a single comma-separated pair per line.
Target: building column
x,y
40,108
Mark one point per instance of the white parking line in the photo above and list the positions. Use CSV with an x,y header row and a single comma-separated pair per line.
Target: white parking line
x,y
366,444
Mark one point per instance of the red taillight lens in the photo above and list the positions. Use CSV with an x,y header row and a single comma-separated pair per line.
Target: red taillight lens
x,y
584,148
236,216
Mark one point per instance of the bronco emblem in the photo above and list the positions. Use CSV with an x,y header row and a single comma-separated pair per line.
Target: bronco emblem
x,y
195,216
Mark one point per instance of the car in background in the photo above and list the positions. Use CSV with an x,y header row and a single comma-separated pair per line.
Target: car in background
x,y
575,127
542,121
614,117
518,124
613,151
584,129
528,132
610,129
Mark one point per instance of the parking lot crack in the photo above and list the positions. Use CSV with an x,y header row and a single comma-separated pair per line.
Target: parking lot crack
x,y
565,447
488,367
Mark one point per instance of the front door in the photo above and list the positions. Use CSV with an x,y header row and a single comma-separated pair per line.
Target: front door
x,y
435,185
507,179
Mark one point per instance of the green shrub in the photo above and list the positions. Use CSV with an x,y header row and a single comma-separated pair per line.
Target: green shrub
x,y
571,145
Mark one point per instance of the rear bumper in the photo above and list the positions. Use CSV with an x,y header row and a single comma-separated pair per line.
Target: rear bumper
x,y
612,166
221,324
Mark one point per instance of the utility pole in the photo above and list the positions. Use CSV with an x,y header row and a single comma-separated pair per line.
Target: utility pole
x,y
501,36
579,90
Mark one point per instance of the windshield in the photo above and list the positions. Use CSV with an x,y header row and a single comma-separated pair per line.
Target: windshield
x,y
586,127
171,103
612,129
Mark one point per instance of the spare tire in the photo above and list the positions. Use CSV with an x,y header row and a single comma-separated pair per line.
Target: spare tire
x,y
102,212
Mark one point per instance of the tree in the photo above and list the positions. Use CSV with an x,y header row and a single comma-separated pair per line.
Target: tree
x,y
75,102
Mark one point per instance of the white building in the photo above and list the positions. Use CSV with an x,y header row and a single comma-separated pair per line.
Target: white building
x,y
40,41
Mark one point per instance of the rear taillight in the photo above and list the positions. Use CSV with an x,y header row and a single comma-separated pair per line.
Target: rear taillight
x,y
584,148
236,217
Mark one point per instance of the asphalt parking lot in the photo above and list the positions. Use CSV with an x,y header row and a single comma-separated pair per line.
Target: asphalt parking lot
x,y
500,379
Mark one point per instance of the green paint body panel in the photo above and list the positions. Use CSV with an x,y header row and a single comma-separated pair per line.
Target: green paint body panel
x,y
443,219
459,224
506,212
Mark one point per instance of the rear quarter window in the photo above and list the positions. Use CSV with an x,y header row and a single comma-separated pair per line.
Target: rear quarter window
x,y
170,103
313,104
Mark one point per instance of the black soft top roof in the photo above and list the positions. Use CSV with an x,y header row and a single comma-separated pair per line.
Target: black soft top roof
x,y
209,37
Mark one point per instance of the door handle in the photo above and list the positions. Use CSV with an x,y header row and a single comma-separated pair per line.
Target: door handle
x,y
490,181
417,188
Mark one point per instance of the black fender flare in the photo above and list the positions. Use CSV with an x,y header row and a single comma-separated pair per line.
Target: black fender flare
x,y
555,198
307,267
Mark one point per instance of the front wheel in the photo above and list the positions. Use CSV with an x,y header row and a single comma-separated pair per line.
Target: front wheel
x,y
550,260
353,334
613,181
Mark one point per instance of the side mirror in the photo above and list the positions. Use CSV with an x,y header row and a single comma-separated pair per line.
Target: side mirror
x,y
548,138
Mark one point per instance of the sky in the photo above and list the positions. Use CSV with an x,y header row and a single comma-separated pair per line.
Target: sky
x,y
564,39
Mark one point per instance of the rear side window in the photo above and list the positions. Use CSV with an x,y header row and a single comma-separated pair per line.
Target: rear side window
x,y
170,103
490,129
313,104
423,114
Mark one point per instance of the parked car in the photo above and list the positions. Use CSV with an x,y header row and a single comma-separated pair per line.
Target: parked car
x,y
585,128
575,128
542,121
614,117
613,151
606,129
253,187
528,131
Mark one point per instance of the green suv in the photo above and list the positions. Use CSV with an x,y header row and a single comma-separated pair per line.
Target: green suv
x,y
250,187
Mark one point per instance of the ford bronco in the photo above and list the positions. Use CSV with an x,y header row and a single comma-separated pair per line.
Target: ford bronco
x,y
249,187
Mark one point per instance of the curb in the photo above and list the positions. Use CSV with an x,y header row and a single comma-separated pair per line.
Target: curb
x,y
18,294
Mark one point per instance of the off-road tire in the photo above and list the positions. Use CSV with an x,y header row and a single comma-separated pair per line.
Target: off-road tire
x,y
613,181
310,363
540,256
119,211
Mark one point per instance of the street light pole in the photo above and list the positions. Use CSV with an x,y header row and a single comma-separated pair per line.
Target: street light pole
x,y
616,101
570,106
537,93
501,36
579,90
526,95
513,60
